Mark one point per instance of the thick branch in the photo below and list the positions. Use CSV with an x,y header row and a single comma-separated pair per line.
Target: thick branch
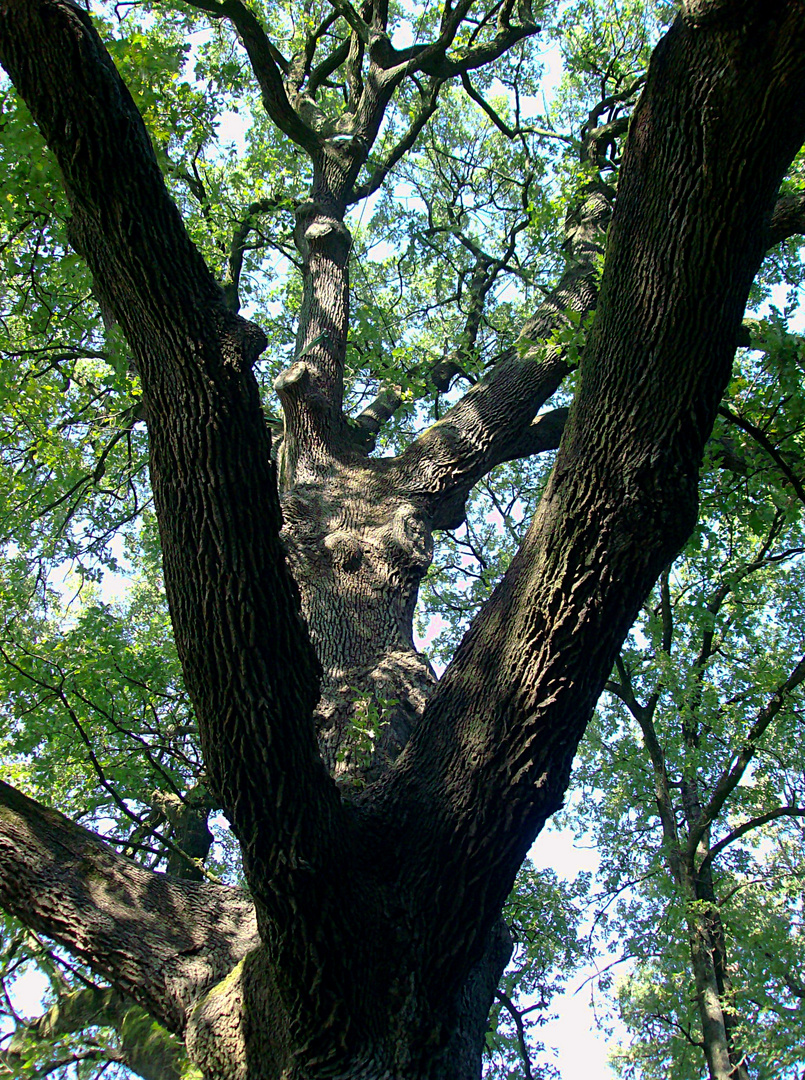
x,y
542,434
788,218
492,423
445,67
353,19
246,656
262,55
321,72
611,103
375,415
159,940
432,59
399,150
491,757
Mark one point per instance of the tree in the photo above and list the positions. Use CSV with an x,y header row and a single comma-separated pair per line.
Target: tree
x,y
370,939
700,824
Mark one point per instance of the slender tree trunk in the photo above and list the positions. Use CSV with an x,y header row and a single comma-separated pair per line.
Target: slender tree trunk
x,y
708,945
708,950
711,1013
311,389
706,939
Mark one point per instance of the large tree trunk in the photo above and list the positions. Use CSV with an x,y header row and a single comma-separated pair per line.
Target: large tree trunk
x,y
377,902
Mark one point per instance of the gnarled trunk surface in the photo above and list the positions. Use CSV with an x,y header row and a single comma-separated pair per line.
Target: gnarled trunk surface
x,y
370,946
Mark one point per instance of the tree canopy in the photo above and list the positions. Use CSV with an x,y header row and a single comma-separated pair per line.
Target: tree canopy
x,y
319,322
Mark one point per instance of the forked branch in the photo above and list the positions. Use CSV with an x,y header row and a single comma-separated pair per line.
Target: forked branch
x,y
731,776
495,420
263,57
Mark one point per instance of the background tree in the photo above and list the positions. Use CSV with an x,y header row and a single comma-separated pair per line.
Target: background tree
x,y
370,939
700,827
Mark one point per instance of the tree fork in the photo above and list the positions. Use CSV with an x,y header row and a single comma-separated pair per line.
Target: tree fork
x,y
622,497
373,914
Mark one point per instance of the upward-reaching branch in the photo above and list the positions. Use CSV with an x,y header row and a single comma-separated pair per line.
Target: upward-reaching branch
x,y
731,776
263,58
491,758
214,487
428,105
492,422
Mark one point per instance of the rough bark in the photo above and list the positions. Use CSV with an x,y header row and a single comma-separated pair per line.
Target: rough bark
x,y
360,537
159,940
375,908
622,497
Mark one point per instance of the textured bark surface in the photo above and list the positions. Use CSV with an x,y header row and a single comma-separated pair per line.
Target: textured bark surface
x,y
157,938
376,903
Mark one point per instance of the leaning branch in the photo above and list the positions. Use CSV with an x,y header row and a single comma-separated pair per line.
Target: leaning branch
x,y
429,105
495,420
214,486
263,58
491,757
160,941
748,826
788,218
500,123
762,439
377,412
490,424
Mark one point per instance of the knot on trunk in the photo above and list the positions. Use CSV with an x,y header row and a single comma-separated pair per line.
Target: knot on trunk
x,y
320,229
242,342
295,385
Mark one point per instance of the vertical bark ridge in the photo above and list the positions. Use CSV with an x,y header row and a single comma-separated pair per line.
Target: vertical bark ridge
x,y
312,388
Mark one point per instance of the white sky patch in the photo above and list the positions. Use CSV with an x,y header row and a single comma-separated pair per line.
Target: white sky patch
x,y
581,1049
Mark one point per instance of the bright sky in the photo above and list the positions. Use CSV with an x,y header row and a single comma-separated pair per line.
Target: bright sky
x,y
581,1050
